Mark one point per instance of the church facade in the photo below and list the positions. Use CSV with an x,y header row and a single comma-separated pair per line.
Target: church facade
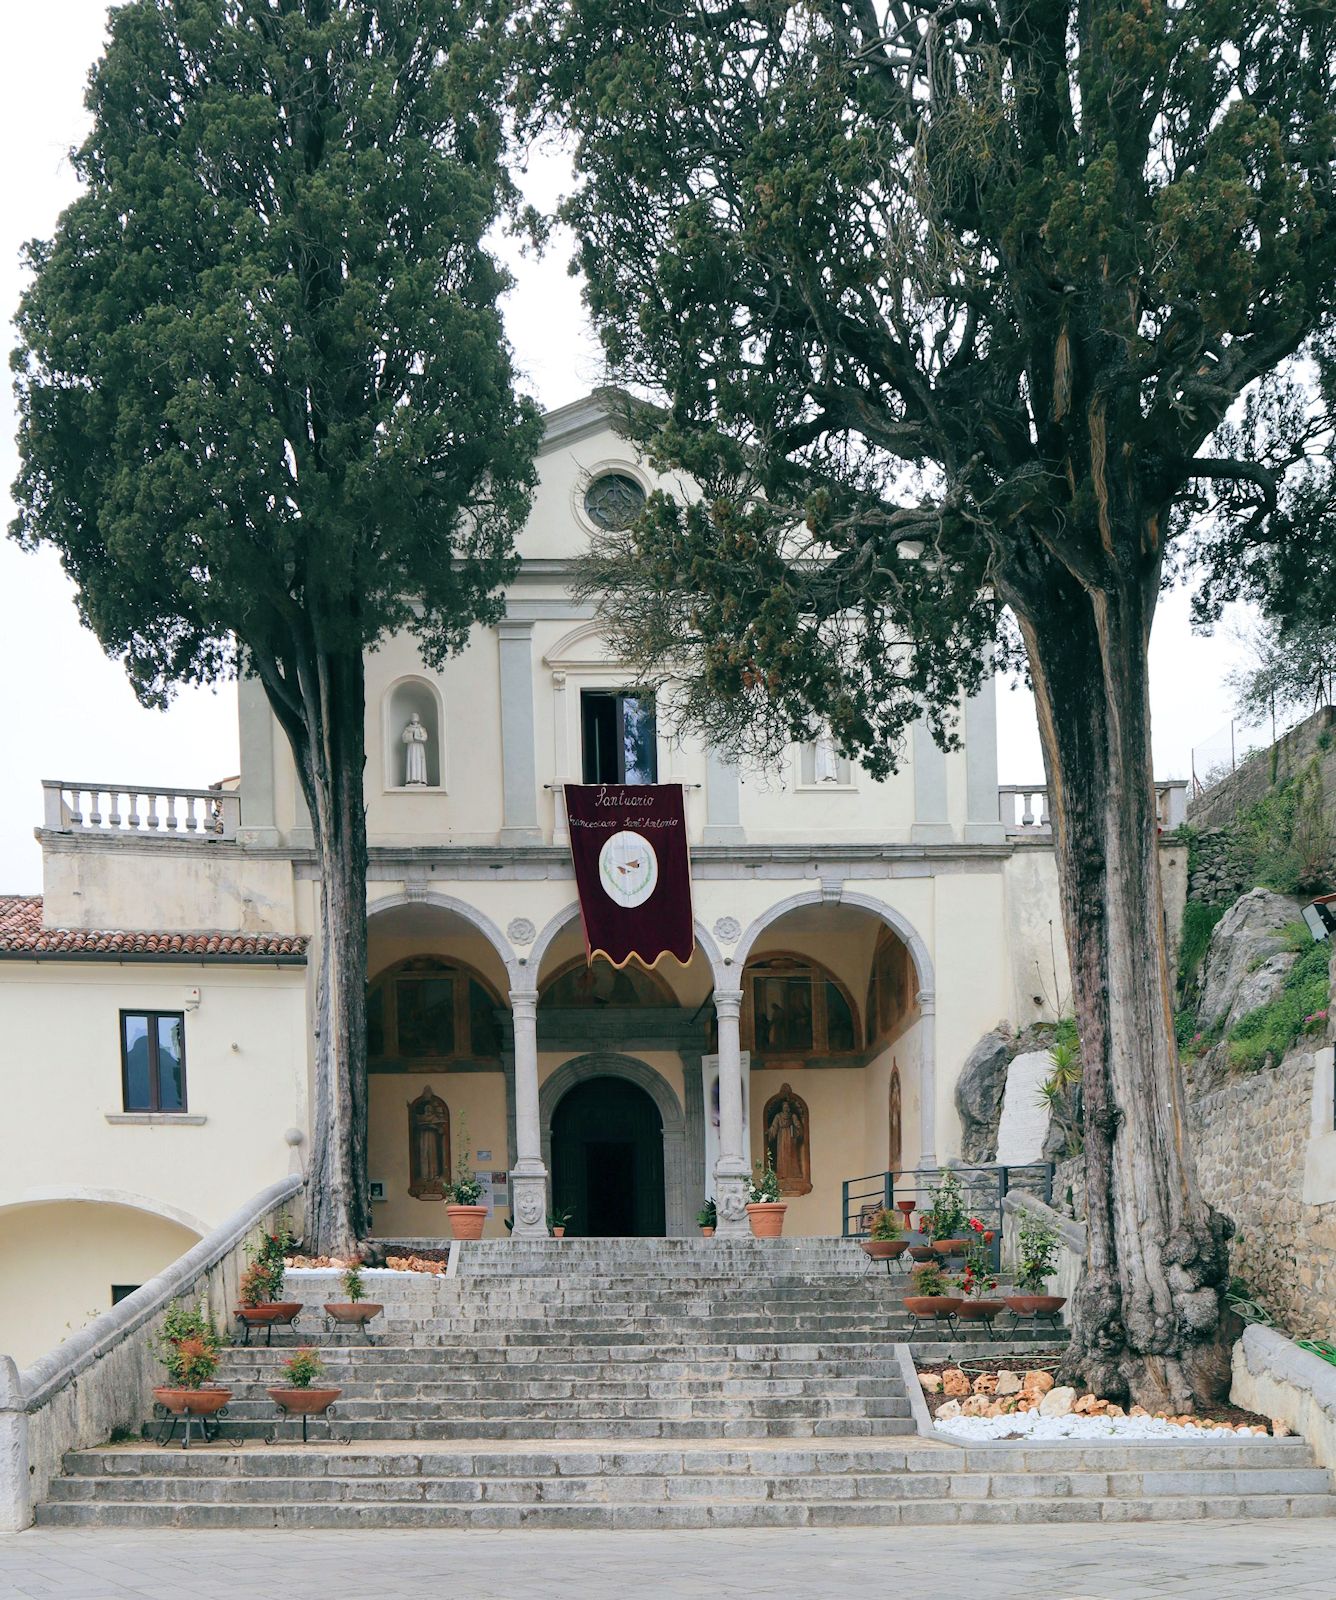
x,y
854,939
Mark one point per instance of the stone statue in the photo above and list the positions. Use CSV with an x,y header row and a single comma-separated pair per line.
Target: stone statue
x,y
428,1146
415,757
788,1141
825,762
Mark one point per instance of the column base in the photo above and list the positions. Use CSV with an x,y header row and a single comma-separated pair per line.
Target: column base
x,y
732,1189
528,1201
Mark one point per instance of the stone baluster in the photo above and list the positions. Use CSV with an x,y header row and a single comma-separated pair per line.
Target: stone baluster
x,y
94,814
732,1170
132,818
528,1178
152,819
170,821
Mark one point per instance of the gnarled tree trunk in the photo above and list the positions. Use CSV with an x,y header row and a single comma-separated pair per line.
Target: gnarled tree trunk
x,y
1148,1319
327,734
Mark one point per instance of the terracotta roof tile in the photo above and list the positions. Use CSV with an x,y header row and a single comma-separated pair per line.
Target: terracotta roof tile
x,y
22,933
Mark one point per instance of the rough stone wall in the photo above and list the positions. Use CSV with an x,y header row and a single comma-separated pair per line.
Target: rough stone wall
x,y
1255,777
1221,869
1251,1138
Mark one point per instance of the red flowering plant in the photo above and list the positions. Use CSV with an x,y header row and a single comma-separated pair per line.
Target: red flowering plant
x,y
978,1278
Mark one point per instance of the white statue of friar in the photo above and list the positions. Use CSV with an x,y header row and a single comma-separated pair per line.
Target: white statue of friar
x,y
415,755
825,761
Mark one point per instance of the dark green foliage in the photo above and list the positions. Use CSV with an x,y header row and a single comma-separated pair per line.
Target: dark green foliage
x,y
1301,1006
1198,925
262,381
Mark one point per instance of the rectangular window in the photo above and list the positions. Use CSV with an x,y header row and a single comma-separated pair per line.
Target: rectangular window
x,y
153,1060
619,736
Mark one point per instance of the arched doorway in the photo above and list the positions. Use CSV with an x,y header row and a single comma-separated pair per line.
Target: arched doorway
x,y
607,1160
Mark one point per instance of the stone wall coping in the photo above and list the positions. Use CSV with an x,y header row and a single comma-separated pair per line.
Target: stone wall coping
x,y
1071,1232
51,1373
918,1406
1268,1353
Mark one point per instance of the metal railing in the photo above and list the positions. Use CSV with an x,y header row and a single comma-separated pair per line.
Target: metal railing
x,y
1023,807
983,1191
144,810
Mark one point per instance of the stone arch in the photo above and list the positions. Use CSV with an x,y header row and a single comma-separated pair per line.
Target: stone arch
x,y
905,930
479,920
128,1199
612,1064
409,693
534,961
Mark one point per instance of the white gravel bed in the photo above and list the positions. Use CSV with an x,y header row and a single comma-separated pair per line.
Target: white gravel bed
x,y
1030,1425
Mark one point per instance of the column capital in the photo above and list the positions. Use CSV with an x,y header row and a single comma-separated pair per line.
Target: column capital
x,y
728,1002
524,1000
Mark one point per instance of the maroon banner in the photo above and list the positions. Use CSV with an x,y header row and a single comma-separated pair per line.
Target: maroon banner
x,y
632,870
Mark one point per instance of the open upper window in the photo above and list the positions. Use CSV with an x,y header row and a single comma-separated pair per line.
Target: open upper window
x,y
618,736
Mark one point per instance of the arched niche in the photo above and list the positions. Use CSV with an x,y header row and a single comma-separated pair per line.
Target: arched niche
x,y
787,1127
405,699
428,1146
586,985
428,1011
794,1007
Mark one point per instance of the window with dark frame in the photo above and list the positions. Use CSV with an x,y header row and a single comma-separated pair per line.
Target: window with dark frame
x,y
618,736
153,1061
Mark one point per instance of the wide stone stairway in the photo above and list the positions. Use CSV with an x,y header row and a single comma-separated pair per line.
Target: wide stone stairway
x,y
639,1383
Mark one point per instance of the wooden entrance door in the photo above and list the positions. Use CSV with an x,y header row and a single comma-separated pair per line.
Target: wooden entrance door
x,y
607,1160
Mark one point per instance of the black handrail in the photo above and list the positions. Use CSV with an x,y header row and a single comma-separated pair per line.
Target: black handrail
x,y
983,1189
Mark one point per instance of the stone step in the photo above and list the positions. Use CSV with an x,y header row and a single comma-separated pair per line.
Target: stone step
x,y
543,1388
527,1428
540,1408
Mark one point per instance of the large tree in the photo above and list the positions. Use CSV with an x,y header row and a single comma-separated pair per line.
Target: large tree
x,y
267,406
947,302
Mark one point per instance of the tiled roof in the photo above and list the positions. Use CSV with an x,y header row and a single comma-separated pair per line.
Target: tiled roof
x,y
22,933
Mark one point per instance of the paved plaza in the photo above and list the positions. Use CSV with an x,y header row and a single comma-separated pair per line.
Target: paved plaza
x,y
1186,1561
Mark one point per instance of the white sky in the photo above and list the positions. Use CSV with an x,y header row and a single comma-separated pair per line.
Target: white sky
x,y
67,711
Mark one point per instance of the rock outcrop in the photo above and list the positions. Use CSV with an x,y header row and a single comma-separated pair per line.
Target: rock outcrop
x,y
1247,962
979,1090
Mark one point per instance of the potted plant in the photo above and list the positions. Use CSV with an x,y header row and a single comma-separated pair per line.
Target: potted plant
x,y
188,1347
462,1196
558,1222
978,1280
707,1219
765,1210
932,1296
944,1220
260,1294
883,1242
299,1397
355,1309
1036,1256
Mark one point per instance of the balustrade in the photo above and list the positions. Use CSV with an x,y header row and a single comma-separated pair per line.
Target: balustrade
x,y
145,811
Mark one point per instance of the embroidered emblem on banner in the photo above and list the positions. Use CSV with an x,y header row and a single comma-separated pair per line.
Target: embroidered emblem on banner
x,y
628,869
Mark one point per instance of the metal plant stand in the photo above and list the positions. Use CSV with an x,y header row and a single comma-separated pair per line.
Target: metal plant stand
x,y
325,1416
269,1326
1032,1319
169,1419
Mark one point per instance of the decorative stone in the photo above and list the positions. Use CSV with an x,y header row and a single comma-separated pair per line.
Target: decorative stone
x,y
1009,1383
986,1383
1087,1404
519,930
1057,1402
728,930
979,1096
976,1406
1038,1382
931,1381
1023,1126
955,1382
1281,1429
949,1411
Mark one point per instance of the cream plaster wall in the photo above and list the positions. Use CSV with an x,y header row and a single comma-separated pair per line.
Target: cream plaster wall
x,y
163,884
834,1097
65,1258
246,1073
477,1102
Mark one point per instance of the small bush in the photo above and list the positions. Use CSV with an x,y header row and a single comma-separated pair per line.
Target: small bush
x,y
1198,925
1272,1029
303,1368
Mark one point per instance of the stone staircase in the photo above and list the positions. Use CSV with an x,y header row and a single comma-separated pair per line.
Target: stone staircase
x,y
638,1383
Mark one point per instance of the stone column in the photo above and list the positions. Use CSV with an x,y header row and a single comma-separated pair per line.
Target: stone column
x,y
519,779
932,824
732,1170
15,1478
982,821
259,824
528,1178
927,1079
561,833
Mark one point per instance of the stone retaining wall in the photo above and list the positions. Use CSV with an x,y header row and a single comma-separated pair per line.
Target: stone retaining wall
x,y
1259,774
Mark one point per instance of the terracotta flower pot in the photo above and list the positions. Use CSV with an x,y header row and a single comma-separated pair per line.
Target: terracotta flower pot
x,y
466,1222
270,1311
308,1402
882,1249
1036,1305
356,1312
922,1252
707,1233
932,1305
202,1402
980,1310
950,1247
559,1232
767,1218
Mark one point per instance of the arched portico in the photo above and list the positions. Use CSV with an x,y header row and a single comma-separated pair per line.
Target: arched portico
x,y
612,1064
555,925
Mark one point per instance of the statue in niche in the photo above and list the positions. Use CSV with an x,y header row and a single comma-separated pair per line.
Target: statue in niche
x,y
428,1146
825,759
895,1152
788,1141
415,738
